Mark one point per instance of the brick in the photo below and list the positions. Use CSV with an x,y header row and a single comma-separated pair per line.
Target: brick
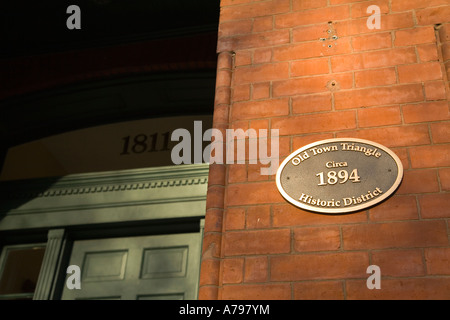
x,y
315,123
431,16
403,136
312,103
395,208
378,96
208,293
318,290
211,245
311,50
237,173
379,116
372,42
314,84
444,177
447,69
318,266
241,92
253,193
428,52
256,40
439,132
334,2
395,235
254,173
256,269
390,57
223,78
233,270
402,153
224,61
265,72
225,3
435,205
423,112
301,141
220,115
405,289
262,55
404,5
430,156
285,215
375,59
347,63
316,239
388,22
216,175
298,5
259,124
255,9
228,29
435,90
223,96
219,137
308,33
360,9
419,181
236,125
258,217
420,72
234,219
309,67
314,16
209,271
260,109
399,263
215,197
438,261
257,242
257,292
444,32
378,77
243,58
262,24
414,36
445,48
214,220
261,90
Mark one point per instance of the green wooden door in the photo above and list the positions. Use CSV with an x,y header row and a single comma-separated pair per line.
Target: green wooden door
x,y
137,268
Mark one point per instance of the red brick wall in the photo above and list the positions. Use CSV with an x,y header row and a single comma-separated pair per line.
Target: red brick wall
x,y
388,85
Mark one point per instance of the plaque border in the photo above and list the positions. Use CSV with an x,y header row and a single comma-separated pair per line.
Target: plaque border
x,y
351,209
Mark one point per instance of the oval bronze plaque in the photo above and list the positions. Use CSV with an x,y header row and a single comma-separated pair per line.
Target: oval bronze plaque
x,y
339,175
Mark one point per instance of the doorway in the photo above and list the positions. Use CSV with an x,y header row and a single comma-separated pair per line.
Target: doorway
x,y
135,234
137,268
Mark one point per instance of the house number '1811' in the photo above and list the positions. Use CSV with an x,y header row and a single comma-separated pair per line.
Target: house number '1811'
x,y
142,143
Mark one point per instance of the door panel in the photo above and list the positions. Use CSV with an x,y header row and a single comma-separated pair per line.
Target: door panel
x,y
145,268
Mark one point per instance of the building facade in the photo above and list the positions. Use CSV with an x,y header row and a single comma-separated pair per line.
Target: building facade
x,y
89,178
317,70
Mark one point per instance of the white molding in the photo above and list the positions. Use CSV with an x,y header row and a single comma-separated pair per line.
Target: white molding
x,y
115,196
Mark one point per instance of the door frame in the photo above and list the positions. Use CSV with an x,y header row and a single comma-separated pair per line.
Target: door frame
x,y
61,210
